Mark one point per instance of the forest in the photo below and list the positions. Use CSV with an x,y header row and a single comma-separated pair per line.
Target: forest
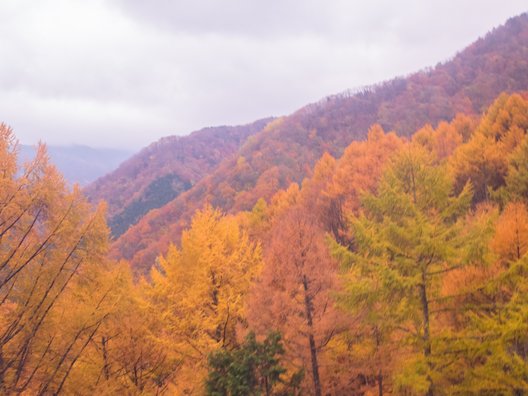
x,y
397,267
287,148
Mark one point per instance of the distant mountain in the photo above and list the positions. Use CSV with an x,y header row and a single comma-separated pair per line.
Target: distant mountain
x,y
162,171
80,164
287,148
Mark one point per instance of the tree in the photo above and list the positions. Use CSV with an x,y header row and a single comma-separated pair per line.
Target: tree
x,y
358,170
484,159
407,239
252,368
293,294
371,305
198,292
517,178
494,354
505,118
511,235
443,141
481,161
124,357
51,241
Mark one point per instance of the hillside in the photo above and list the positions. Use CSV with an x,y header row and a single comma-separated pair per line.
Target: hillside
x,y
163,170
372,243
80,164
287,148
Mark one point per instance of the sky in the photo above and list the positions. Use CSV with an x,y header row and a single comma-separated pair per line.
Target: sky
x,y
123,73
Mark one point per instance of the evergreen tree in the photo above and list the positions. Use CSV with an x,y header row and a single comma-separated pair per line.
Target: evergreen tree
x,y
253,368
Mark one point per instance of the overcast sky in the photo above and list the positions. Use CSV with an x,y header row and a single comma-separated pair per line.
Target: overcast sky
x,y
123,73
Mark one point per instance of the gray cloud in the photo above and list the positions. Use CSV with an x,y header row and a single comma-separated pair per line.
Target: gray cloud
x,y
123,73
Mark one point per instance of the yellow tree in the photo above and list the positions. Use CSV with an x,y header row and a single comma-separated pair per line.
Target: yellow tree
x,y
199,292
50,239
493,354
122,357
484,159
517,178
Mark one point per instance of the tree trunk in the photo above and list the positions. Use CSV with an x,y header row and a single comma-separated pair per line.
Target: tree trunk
x,y
311,339
426,330
3,388
377,336
106,364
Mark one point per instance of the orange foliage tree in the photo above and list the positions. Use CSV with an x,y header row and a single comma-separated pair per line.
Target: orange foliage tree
x,y
293,294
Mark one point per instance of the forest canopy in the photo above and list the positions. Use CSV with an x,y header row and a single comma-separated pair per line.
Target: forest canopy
x,y
398,268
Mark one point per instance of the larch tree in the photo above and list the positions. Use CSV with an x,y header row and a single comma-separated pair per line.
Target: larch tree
x,y
494,353
511,234
123,357
484,159
408,238
199,293
517,178
358,170
293,294
50,240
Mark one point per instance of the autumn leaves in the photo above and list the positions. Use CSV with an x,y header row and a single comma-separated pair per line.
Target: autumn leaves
x,y
399,268
53,297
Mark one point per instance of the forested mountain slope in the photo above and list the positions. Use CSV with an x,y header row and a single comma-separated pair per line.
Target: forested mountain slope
x,y
287,148
398,268
163,170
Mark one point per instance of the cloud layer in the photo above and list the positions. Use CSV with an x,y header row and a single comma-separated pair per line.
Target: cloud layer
x,y
122,73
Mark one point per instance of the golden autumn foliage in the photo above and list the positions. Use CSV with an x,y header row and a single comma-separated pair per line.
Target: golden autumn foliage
x,y
52,259
198,292
484,159
511,233
398,267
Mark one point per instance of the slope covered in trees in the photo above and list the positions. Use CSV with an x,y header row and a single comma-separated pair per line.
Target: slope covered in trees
x,y
398,268
163,170
287,148
427,276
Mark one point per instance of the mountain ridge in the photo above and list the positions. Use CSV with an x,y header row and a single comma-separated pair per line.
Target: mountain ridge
x,y
164,169
288,147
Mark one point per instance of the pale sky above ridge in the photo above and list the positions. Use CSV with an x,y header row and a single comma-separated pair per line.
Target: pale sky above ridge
x,y
123,73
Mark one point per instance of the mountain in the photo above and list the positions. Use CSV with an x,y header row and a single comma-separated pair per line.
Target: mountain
x,y
80,164
163,170
287,148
